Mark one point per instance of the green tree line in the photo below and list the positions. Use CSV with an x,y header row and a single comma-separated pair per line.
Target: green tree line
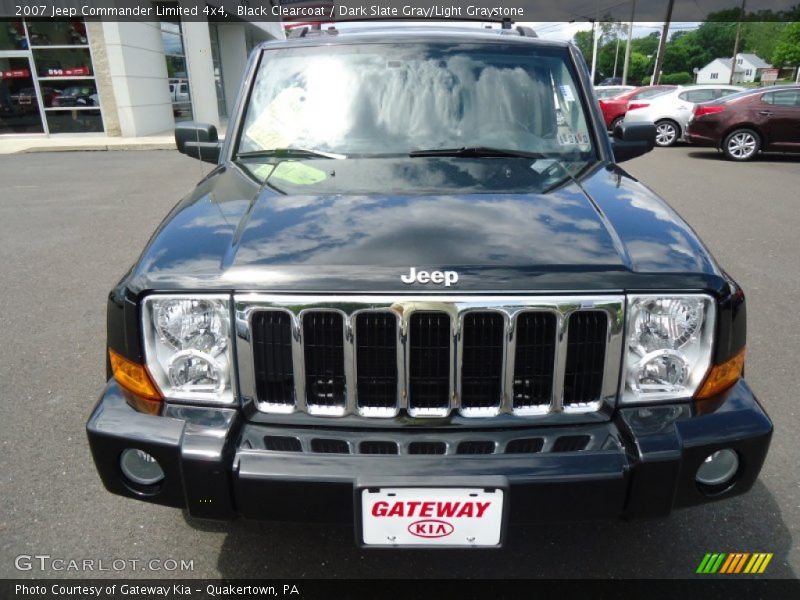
x,y
775,37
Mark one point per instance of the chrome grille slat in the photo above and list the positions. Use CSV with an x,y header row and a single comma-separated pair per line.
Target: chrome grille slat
x,y
534,361
481,354
324,358
429,370
376,372
439,345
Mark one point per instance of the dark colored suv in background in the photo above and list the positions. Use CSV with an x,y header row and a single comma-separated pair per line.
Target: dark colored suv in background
x,y
418,293
744,124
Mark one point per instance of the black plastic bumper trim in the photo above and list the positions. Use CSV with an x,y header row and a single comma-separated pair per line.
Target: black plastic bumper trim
x,y
645,467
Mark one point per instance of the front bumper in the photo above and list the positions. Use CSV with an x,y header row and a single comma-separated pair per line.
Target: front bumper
x,y
640,463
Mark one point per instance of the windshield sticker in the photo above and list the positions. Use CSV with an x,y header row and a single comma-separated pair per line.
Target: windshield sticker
x,y
570,138
277,125
261,172
298,173
566,93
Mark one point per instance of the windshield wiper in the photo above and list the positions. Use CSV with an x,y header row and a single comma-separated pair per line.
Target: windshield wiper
x,y
476,151
289,153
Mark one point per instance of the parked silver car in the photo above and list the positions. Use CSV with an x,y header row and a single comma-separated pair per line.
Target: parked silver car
x,y
609,91
672,111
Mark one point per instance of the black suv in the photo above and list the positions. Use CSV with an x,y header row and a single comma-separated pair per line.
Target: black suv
x,y
418,293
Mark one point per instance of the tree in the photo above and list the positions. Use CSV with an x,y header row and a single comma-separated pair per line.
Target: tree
x,y
787,49
583,40
761,37
640,67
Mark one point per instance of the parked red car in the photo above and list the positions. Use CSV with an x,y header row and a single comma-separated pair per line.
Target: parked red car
x,y
744,124
614,109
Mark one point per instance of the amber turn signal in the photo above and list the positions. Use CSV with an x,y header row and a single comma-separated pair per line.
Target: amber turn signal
x,y
133,377
721,377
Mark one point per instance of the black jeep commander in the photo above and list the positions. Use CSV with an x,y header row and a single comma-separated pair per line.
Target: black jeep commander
x,y
417,292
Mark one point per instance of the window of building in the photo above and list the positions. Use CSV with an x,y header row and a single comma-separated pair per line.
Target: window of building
x,y
714,76
53,82
12,35
177,72
219,82
20,110
748,72
739,61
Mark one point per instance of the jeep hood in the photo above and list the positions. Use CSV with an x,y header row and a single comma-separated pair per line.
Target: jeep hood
x,y
358,225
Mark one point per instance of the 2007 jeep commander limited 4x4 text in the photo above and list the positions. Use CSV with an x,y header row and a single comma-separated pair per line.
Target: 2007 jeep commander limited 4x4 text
x,y
417,292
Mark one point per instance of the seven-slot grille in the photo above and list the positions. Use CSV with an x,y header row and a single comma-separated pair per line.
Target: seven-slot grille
x,y
429,358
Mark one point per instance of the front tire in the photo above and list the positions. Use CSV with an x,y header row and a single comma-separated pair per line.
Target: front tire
x,y
667,133
615,122
741,145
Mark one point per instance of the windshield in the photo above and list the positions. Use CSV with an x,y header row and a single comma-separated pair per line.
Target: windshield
x,y
381,99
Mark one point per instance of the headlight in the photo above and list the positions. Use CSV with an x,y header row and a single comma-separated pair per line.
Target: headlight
x,y
188,346
669,342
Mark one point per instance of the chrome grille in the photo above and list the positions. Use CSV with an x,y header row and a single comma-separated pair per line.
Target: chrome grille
x,y
534,360
428,357
272,353
482,354
323,353
376,361
429,360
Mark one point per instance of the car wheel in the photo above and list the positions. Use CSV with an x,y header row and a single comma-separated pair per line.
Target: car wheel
x,y
615,122
667,133
742,144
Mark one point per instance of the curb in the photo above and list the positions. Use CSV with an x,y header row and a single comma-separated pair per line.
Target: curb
x,y
96,148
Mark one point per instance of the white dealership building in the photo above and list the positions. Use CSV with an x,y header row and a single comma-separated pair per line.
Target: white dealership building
x,y
126,78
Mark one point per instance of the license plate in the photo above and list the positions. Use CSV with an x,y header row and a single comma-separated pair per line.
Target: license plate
x,y
431,516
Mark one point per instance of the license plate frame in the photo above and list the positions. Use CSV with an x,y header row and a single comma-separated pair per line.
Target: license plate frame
x,y
494,490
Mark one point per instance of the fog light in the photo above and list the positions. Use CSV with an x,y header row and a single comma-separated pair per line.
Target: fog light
x,y
719,468
140,467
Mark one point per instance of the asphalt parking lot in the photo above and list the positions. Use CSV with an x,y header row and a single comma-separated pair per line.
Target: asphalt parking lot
x,y
72,223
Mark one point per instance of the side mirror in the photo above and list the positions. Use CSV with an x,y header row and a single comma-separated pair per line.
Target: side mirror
x,y
632,140
198,140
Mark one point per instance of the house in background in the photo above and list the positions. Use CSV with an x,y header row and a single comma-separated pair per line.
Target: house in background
x,y
748,68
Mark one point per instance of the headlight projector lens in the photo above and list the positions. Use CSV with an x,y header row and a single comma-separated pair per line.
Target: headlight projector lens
x,y
662,371
719,468
195,371
140,467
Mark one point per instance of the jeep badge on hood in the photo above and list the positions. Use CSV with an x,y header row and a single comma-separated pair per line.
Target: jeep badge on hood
x,y
448,278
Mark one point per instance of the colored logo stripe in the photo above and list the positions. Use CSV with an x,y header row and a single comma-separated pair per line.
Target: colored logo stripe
x,y
735,562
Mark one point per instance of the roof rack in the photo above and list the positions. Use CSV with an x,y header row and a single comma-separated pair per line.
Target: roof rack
x,y
311,30
315,29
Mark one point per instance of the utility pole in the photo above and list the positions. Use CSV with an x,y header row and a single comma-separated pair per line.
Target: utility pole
x,y
736,43
627,60
594,48
662,44
594,38
616,58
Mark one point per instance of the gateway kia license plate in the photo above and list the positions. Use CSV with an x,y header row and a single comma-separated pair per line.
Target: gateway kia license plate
x,y
431,516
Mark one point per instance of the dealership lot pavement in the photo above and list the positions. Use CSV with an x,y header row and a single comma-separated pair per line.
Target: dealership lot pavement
x,y
71,223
